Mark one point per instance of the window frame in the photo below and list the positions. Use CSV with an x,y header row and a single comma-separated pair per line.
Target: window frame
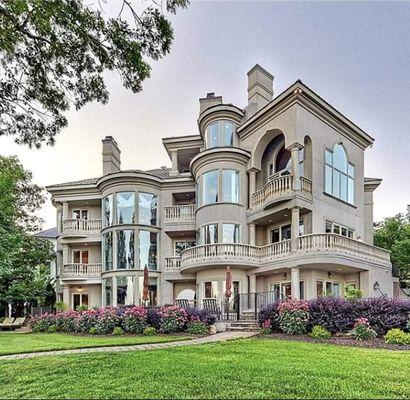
x,y
341,227
220,124
237,173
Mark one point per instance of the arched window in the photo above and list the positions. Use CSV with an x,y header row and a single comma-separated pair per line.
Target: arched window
x,y
282,160
220,134
339,174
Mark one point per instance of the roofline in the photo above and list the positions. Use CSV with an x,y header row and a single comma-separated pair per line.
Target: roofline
x,y
312,96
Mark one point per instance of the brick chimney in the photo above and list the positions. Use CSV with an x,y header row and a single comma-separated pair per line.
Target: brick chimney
x,y
209,101
260,89
111,156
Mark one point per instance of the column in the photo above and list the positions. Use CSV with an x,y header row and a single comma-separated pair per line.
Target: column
x,y
294,152
65,214
251,185
294,234
66,257
174,160
66,295
252,283
252,234
114,291
103,294
295,278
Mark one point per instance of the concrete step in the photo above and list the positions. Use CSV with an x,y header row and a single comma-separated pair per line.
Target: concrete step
x,y
243,328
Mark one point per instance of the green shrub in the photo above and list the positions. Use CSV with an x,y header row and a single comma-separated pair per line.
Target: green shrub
x,y
82,307
397,336
93,331
149,331
362,330
294,322
318,332
197,328
118,331
52,329
352,293
61,306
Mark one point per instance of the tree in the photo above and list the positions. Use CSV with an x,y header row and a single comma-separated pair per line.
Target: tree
x,y
394,234
24,274
53,54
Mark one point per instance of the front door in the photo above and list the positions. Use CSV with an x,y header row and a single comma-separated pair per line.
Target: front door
x,y
80,299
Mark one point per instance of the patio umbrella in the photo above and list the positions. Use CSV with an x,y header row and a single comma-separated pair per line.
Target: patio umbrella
x,y
145,294
228,283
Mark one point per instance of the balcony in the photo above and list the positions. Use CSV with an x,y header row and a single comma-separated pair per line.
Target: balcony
x,y
180,214
81,227
280,188
81,271
322,248
173,264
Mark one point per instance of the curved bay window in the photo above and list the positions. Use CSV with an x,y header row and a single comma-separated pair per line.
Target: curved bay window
x,y
107,251
230,186
125,249
230,233
125,207
148,249
125,290
108,212
147,209
339,174
209,187
107,286
220,134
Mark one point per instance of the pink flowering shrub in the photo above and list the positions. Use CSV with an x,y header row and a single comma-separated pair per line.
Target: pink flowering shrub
x,y
135,319
362,329
108,319
43,322
172,319
293,316
86,320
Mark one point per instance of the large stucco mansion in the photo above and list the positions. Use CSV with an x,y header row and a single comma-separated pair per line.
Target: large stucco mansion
x,y
275,190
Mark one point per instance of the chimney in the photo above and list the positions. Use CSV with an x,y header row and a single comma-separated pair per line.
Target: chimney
x,y
111,156
260,89
209,101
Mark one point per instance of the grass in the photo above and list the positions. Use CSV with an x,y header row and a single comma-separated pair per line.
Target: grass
x,y
14,343
253,368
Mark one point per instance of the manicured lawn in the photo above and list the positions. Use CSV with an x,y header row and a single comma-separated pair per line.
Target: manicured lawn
x,y
12,343
253,368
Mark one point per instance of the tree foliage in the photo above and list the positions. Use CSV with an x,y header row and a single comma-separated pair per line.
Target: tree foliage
x,y
53,54
24,274
394,234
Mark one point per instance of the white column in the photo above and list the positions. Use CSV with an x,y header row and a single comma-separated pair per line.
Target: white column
x,y
65,211
252,283
114,291
66,296
66,254
252,234
295,278
103,294
174,160
294,152
294,227
251,185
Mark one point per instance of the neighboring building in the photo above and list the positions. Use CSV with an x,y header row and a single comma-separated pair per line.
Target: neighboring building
x,y
51,235
276,191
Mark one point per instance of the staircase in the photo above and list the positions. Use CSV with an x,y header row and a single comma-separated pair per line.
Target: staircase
x,y
244,325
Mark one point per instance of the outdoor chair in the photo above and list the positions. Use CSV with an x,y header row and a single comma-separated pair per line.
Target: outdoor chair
x,y
212,306
183,303
18,323
7,323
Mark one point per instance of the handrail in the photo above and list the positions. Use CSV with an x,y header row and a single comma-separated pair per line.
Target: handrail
x,y
82,225
81,270
180,213
172,264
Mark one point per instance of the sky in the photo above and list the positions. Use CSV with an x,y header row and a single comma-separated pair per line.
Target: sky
x,y
354,55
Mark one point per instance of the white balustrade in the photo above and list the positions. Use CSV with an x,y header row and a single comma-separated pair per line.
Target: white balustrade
x,y
173,264
75,225
180,213
81,270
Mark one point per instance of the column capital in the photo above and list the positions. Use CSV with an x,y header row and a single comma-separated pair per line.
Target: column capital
x,y
253,170
295,146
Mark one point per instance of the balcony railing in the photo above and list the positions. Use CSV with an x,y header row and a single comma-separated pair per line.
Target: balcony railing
x,y
173,264
279,187
81,271
341,244
253,256
180,213
75,225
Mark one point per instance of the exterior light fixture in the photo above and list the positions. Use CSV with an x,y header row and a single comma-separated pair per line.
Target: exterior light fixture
x,y
376,285
330,275
285,275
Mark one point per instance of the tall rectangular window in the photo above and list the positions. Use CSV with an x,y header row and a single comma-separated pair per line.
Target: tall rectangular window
x,y
125,208
107,251
230,233
125,290
210,187
108,210
125,249
230,186
210,234
107,282
147,209
148,249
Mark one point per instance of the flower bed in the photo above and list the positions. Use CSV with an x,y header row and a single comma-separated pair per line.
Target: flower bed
x,y
133,320
363,318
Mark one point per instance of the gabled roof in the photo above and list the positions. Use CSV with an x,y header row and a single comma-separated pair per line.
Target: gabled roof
x,y
51,233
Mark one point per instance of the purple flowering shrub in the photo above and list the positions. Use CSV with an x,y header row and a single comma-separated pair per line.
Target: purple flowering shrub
x,y
108,319
172,319
340,315
195,314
